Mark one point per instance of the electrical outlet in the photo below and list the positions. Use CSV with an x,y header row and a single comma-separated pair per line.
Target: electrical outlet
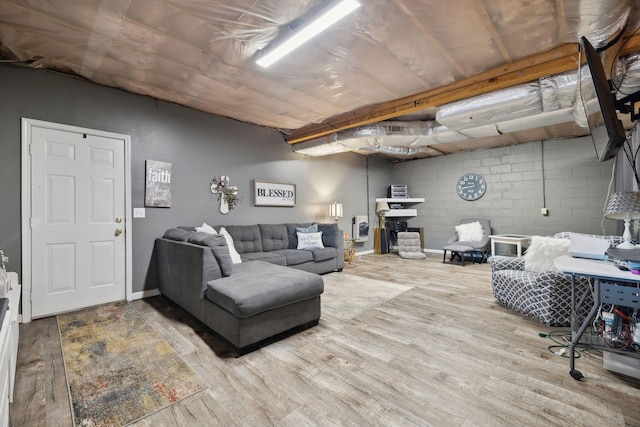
x,y
138,213
544,211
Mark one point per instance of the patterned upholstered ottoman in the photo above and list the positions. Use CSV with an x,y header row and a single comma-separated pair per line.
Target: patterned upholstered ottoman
x,y
545,295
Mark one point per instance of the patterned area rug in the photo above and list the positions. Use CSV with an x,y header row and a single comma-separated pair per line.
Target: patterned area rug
x,y
347,296
118,369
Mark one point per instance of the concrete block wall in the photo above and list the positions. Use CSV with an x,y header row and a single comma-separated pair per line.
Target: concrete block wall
x,y
562,175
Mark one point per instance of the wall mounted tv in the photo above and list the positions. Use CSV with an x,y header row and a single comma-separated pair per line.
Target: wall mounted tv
x,y
606,99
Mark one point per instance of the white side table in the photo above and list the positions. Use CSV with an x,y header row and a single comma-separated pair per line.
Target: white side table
x,y
509,239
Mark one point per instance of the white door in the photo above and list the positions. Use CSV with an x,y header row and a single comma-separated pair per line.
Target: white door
x,y
77,220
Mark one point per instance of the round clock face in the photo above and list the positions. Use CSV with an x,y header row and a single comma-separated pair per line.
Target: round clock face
x,y
471,186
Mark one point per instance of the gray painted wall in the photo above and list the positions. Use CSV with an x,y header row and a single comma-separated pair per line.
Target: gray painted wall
x,y
574,186
199,146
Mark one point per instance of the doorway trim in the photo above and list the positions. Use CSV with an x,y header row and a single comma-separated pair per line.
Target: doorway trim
x,y
25,193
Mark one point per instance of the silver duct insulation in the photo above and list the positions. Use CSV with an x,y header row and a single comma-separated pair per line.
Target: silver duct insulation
x,y
627,75
550,100
391,151
599,20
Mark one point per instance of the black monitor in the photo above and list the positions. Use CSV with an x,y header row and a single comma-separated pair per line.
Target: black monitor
x,y
615,134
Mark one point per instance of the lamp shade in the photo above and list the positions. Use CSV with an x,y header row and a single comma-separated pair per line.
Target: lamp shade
x,y
335,210
624,205
382,207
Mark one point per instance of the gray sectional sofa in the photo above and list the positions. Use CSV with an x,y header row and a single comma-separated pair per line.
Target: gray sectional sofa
x,y
277,243
273,292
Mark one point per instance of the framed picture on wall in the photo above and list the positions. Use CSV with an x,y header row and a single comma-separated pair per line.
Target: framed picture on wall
x,y
157,190
266,193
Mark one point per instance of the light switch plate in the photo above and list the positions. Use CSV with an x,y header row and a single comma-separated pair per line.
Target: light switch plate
x,y
138,213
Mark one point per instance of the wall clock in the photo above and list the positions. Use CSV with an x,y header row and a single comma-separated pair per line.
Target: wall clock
x,y
471,186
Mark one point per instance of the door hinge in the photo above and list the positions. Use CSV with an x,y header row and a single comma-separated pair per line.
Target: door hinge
x,y
30,222
30,152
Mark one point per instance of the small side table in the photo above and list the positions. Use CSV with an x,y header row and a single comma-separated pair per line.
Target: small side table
x,y
509,239
349,252
381,241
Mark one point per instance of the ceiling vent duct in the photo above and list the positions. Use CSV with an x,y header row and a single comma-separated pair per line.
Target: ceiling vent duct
x,y
627,75
397,134
319,147
548,101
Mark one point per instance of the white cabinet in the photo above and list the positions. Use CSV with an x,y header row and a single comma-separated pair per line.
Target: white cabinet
x,y
14,329
9,350
407,209
5,368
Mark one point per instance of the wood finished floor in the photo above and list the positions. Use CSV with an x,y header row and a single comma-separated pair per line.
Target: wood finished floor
x,y
444,353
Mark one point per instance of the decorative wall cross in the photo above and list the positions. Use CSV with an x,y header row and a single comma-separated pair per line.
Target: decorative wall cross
x,y
227,194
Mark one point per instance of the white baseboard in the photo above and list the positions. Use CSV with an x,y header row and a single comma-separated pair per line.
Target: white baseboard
x,y
145,294
434,251
365,252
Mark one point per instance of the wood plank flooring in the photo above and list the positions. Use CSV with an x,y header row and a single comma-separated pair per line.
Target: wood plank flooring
x,y
444,353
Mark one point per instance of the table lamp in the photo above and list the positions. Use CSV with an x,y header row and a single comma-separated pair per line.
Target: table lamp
x,y
382,208
625,206
335,210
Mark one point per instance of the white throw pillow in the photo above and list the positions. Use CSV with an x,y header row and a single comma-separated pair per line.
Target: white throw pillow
x,y
235,256
310,240
206,228
543,251
470,232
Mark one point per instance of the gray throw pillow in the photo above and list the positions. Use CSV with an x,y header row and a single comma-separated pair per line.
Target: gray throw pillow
x,y
177,234
218,245
313,228
219,248
199,238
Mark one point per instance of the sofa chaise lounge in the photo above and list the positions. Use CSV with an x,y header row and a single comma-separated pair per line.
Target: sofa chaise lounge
x,y
270,293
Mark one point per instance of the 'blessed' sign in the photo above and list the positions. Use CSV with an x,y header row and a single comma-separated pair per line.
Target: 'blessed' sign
x,y
274,194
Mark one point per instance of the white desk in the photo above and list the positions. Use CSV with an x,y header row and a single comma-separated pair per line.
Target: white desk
x,y
593,268
598,270
509,239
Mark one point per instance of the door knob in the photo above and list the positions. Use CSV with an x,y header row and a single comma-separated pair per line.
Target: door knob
x,y
118,220
118,231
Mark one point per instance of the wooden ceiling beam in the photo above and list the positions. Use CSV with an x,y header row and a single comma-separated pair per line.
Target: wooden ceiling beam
x,y
555,61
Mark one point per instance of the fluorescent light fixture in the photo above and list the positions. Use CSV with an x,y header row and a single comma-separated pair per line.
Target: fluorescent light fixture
x,y
327,18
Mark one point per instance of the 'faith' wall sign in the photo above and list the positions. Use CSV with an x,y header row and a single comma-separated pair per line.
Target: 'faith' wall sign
x,y
158,184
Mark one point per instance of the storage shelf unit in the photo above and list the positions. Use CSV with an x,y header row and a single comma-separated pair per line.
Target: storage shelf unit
x,y
406,202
